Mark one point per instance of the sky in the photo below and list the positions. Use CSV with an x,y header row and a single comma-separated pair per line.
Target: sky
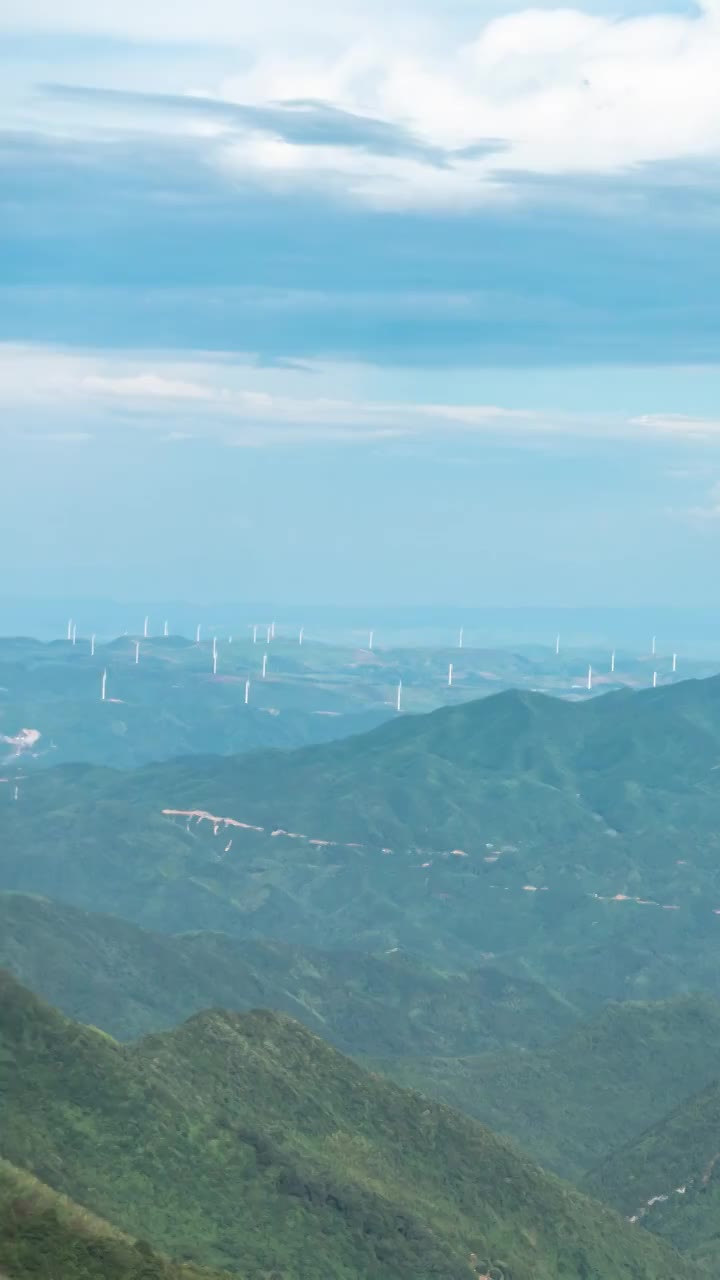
x,y
354,302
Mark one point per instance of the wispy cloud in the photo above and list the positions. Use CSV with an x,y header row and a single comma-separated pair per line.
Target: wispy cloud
x,y
236,403
300,122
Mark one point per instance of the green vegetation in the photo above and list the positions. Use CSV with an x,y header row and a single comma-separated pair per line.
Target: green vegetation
x,y
681,1151
104,971
243,1141
45,1236
575,1102
617,795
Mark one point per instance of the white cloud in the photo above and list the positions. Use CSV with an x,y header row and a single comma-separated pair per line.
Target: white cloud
x,y
678,424
570,92
234,402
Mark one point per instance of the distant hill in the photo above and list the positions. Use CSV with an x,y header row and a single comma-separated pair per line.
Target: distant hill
x,y
669,1177
571,1104
44,1235
244,1141
127,981
519,829
170,703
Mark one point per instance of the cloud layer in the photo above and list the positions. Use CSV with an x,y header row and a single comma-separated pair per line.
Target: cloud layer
x,y
232,401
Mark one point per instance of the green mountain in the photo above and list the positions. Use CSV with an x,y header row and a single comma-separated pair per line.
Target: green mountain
x,y
170,702
519,829
573,1103
244,1141
127,981
45,1236
669,1177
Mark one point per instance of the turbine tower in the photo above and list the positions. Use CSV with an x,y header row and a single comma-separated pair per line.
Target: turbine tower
x,y
166,630
371,638
264,669
92,646
70,629
557,644
399,696
197,633
137,652
654,679
589,679
103,687
255,631
612,661
247,692
461,638
674,666
450,676
301,635
654,646
146,624
74,633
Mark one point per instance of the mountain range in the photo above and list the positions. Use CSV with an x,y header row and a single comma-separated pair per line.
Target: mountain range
x,y
244,1142
573,844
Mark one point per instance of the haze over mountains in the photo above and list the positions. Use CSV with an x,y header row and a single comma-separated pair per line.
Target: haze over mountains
x,y
451,899
171,696
575,843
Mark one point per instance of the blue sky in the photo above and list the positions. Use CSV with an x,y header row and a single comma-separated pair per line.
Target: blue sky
x,y
321,303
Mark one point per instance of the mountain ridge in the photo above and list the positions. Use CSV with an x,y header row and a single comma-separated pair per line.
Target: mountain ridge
x,y
244,1141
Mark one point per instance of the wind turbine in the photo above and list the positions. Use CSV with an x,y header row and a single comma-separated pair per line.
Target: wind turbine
x,y
197,633
103,687
70,629
450,676
557,644
137,652
247,692
654,646
264,670
272,630
654,679
92,646
461,638
268,635
371,638
255,631
399,696
74,633
301,635
146,624
589,679
612,661
674,666
166,630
